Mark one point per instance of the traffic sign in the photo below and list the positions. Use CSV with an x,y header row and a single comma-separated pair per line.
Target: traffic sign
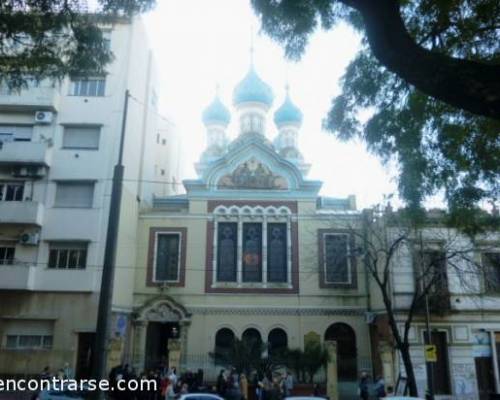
x,y
430,353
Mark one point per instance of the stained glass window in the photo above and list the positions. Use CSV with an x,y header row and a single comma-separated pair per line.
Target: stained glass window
x,y
252,252
336,259
276,253
226,252
167,257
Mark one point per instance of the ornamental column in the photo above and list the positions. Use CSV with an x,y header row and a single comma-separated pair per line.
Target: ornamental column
x,y
139,349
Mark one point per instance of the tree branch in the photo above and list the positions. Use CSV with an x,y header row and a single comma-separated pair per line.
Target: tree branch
x,y
469,85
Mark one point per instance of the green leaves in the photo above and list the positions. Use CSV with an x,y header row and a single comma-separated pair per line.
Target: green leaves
x,y
42,39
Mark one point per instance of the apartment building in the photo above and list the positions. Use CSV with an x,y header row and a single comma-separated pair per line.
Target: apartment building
x,y
59,143
463,277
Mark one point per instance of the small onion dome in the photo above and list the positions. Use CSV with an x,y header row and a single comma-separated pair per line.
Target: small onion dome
x,y
287,113
216,112
252,89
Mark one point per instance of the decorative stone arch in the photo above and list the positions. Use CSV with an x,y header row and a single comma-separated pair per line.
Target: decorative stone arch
x,y
163,309
252,326
158,309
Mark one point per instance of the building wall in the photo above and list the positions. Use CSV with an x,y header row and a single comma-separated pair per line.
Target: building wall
x,y
311,309
71,295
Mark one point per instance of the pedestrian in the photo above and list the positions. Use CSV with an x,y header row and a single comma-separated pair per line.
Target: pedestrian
x,y
221,383
380,388
45,374
363,386
244,387
68,372
173,376
288,384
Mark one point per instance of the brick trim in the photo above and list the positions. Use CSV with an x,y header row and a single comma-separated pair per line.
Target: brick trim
x,y
354,270
151,254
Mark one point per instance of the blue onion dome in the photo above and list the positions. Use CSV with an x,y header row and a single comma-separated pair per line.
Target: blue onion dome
x,y
287,113
216,112
252,89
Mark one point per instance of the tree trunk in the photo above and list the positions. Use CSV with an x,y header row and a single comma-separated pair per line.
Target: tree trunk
x,y
410,373
402,344
469,85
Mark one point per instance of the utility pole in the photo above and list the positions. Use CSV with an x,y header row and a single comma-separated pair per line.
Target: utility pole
x,y
108,270
427,337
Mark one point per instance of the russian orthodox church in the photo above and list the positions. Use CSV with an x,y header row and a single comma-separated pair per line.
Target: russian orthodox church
x,y
251,251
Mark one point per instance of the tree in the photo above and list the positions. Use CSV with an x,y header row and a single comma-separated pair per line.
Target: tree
x,y
423,71
42,39
306,363
437,258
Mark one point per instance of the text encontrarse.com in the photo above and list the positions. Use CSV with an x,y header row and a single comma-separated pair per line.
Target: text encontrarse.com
x,y
11,385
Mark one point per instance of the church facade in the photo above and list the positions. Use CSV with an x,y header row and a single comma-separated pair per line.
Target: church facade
x,y
251,250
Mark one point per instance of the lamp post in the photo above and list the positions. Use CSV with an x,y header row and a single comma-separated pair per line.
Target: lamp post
x,y
108,270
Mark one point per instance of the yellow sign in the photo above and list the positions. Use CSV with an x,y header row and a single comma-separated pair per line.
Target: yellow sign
x,y
430,353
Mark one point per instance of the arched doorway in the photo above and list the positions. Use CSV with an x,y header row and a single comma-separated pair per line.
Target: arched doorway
x,y
277,342
345,337
157,322
224,341
252,338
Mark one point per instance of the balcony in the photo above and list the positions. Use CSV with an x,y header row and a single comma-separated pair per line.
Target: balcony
x,y
43,97
24,153
18,276
23,276
21,212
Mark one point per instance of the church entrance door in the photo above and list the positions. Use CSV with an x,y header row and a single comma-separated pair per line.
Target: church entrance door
x,y
157,337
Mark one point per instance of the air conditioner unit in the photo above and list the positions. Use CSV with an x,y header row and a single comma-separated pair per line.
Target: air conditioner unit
x,y
44,117
30,238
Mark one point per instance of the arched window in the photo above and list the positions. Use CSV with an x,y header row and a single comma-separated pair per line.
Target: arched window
x,y
278,342
224,340
345,337
252,338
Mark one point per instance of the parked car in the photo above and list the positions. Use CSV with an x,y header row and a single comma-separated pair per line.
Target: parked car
x,y
200,396
305,398
63,394
403,398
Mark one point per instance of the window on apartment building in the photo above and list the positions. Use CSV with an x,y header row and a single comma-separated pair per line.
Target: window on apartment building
x,y
252,252
491,266
28,342
11,191
7,254
106,36
81,137
167,257
434,268
28,334
67,255
336,258
15,133
74,194
90,87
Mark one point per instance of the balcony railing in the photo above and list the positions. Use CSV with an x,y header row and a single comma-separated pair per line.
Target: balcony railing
x,y
25,153
44,96
27,276
21,212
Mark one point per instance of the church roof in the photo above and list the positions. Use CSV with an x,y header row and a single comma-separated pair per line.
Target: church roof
x,y
288,112
216,112
253,89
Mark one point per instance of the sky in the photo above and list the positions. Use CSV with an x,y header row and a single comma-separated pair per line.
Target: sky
x,y
199,44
